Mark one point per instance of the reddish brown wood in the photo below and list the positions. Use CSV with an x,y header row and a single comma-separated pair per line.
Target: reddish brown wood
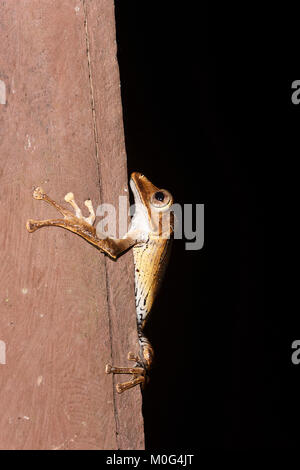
x,y
65,309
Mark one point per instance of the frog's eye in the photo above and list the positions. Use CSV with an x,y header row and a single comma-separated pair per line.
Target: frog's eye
x,y
160,198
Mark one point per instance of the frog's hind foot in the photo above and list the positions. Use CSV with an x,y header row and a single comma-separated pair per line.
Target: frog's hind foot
x,y
138,373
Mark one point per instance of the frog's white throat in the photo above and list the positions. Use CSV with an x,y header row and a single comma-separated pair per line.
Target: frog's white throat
x,y
140,221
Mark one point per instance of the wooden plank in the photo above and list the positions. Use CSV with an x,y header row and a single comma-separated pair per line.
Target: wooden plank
x,y
113,177
65,309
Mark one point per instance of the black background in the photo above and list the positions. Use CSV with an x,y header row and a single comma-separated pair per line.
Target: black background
x,y
198,103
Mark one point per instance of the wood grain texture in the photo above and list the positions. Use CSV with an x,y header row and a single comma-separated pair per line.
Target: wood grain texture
x,y
65,309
